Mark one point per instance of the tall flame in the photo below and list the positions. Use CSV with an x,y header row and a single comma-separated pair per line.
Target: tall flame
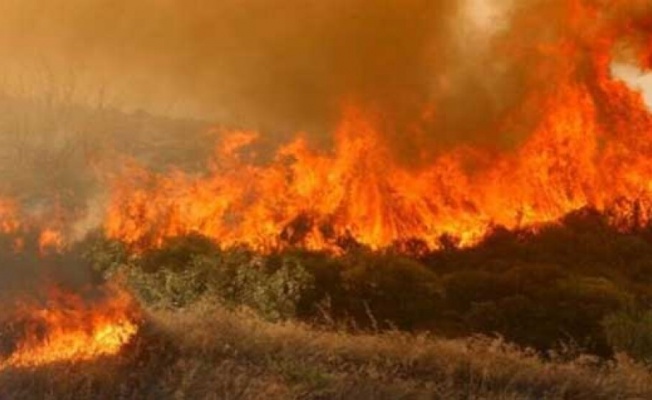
x,y
590,144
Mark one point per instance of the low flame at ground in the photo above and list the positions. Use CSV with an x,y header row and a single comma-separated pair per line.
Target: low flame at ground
x,y
69,328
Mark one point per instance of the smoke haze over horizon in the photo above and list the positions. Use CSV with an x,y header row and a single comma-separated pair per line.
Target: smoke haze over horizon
x,y
280,67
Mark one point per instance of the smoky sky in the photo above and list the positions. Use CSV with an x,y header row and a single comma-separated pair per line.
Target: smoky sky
x,y
277,66
291,65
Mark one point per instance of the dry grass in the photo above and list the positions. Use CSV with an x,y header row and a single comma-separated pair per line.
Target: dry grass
x,y
209,353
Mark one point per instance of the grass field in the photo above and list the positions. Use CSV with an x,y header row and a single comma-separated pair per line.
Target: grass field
x,y
208,353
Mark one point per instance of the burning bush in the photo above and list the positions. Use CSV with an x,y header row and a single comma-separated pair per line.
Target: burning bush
x,y
67,328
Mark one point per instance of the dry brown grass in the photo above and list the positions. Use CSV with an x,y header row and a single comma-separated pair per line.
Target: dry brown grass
x,y
209,353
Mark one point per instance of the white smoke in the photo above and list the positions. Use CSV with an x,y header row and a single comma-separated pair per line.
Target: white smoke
x,y
636,79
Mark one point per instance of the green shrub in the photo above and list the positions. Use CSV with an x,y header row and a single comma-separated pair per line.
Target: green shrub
x,y
275,294
630,332
166,288
238,277
177,253
105,256
188,269
391,290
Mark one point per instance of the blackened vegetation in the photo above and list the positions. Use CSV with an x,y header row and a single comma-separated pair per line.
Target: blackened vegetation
x,y
579,282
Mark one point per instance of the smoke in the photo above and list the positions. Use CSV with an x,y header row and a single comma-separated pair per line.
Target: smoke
x,y
290,65
280,67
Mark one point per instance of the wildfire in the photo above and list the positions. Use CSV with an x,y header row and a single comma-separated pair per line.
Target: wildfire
x,y
590,144
70,328
47,228
8,216
50,240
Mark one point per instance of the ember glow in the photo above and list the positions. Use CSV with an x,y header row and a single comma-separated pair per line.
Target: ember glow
x,y
588,143
69,328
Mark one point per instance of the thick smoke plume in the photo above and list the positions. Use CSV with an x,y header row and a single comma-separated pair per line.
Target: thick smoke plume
x,y
289,66
280,67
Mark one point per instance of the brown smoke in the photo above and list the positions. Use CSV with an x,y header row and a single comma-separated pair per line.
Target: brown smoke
x,y
279,66
290,65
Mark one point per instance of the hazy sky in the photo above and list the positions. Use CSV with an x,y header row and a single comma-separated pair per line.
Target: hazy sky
x,y
227,58
278,65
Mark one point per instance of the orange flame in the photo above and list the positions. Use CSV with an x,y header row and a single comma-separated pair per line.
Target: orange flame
x,y
590,144
8,216
50,240
72,329
49,227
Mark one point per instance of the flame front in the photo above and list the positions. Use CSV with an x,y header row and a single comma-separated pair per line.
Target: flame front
x,y
70,328
589,144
